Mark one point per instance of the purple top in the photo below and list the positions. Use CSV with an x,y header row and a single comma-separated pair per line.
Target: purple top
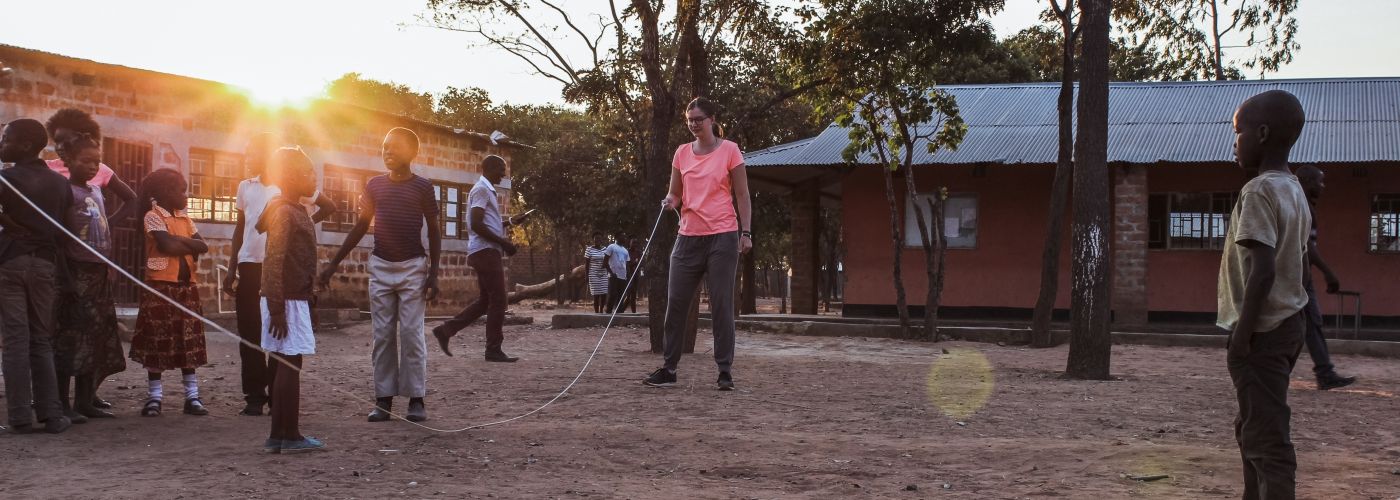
x,y
400,209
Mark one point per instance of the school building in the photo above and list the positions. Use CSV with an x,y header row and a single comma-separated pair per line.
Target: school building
x,y
155,120
1174,182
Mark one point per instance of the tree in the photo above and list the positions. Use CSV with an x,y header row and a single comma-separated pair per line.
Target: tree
x,y
1199,33
880,58
384,96
1042,48
1090,344
634,72
1059,189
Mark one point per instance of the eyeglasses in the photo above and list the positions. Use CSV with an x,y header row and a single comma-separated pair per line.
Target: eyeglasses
x,y
696,121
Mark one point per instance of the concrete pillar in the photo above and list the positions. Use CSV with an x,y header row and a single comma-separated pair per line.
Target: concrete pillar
x,y
1130,245
806,240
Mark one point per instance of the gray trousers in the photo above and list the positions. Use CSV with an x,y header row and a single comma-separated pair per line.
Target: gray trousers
x,y
1262,426
26,336
396,308
716,258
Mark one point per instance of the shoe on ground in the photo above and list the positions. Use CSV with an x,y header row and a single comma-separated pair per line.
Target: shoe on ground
x,y
1333,381
95,412
500,357
252,409
661,378
381,410
417,412
725,382
272,446
194,406
443,337
101,404
75,417
305,445
57,425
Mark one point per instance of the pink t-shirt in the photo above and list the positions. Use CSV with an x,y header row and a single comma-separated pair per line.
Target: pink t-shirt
x,y
104,172
707,202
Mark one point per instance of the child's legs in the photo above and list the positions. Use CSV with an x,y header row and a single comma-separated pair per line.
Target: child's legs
x,y
286,398
14,342
40,281
384,311
413,347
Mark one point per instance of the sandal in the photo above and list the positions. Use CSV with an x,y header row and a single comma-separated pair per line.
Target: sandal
x,y
194,406
152,408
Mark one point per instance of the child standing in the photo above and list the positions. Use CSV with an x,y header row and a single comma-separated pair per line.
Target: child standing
x,y
597,259
166,338
288,274
86,344
1260,293
401,278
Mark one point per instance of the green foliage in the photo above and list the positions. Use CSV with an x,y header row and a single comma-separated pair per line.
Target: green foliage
x,y
1197,34
1129,60
384,96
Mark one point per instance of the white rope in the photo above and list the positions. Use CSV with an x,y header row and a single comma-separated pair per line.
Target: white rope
x,y
279,359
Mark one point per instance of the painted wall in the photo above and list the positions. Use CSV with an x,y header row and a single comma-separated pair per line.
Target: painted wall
x,y
1004,269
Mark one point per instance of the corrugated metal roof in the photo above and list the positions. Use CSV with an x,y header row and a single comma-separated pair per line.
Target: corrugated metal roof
x,y
1350,120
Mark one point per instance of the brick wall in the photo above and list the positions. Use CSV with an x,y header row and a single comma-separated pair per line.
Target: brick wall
x,y
174,114
1130,245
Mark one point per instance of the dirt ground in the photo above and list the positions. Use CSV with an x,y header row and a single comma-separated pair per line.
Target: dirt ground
x,y
814,418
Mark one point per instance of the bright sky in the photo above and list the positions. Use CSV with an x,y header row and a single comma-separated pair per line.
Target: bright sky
x,y
291,48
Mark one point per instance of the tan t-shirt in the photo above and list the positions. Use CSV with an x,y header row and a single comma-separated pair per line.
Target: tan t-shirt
x,y
1272,210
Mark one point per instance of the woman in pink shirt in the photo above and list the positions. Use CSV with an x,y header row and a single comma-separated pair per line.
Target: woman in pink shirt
x,y
69,121
707,175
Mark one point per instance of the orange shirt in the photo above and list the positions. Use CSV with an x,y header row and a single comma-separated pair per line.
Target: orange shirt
x,y
707,200
159,266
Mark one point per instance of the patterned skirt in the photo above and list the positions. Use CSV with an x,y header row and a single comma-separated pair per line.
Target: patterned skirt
x,y
166,338
597,276
86,340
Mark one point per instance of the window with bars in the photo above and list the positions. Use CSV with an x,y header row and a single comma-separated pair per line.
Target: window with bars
x,y
214,178
1385,223
1188,221
452,208
344,186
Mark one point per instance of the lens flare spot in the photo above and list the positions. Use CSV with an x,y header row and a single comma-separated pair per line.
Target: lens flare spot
x,y
960,382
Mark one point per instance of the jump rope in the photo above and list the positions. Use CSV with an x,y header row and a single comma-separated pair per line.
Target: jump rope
x,y
349,395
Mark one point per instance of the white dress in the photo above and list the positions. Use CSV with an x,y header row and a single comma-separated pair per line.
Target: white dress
x,y
299,340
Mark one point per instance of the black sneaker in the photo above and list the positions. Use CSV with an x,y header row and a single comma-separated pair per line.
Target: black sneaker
x,y
726,382
1334,381
381,410
417,412
660,378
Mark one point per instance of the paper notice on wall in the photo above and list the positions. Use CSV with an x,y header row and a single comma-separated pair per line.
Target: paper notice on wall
x,y
969,218
951,227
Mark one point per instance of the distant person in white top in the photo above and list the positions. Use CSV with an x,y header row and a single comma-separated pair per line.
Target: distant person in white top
x,y
487,243
244,279
617,257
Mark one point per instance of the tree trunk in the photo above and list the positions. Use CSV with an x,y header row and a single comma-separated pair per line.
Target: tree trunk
x,y
522,292
1090,345
1064,171
925,241
940,241
1216,57
900,303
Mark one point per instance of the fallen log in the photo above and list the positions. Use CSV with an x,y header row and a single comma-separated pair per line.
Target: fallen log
x,y
540,290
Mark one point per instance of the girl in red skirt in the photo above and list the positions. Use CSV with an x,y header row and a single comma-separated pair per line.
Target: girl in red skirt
x,y
167,338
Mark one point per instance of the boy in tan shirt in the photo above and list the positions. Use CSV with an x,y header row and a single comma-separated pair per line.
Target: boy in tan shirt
x,y
1260,290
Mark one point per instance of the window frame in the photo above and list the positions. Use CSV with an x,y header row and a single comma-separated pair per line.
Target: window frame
x,y
198,182
911,230
462,212
1217,200
1372,238
347,212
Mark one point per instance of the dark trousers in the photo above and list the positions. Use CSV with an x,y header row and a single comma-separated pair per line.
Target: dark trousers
x,y
491,279
716,258
1262,426
616,287
26,337
258,369
1317,344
